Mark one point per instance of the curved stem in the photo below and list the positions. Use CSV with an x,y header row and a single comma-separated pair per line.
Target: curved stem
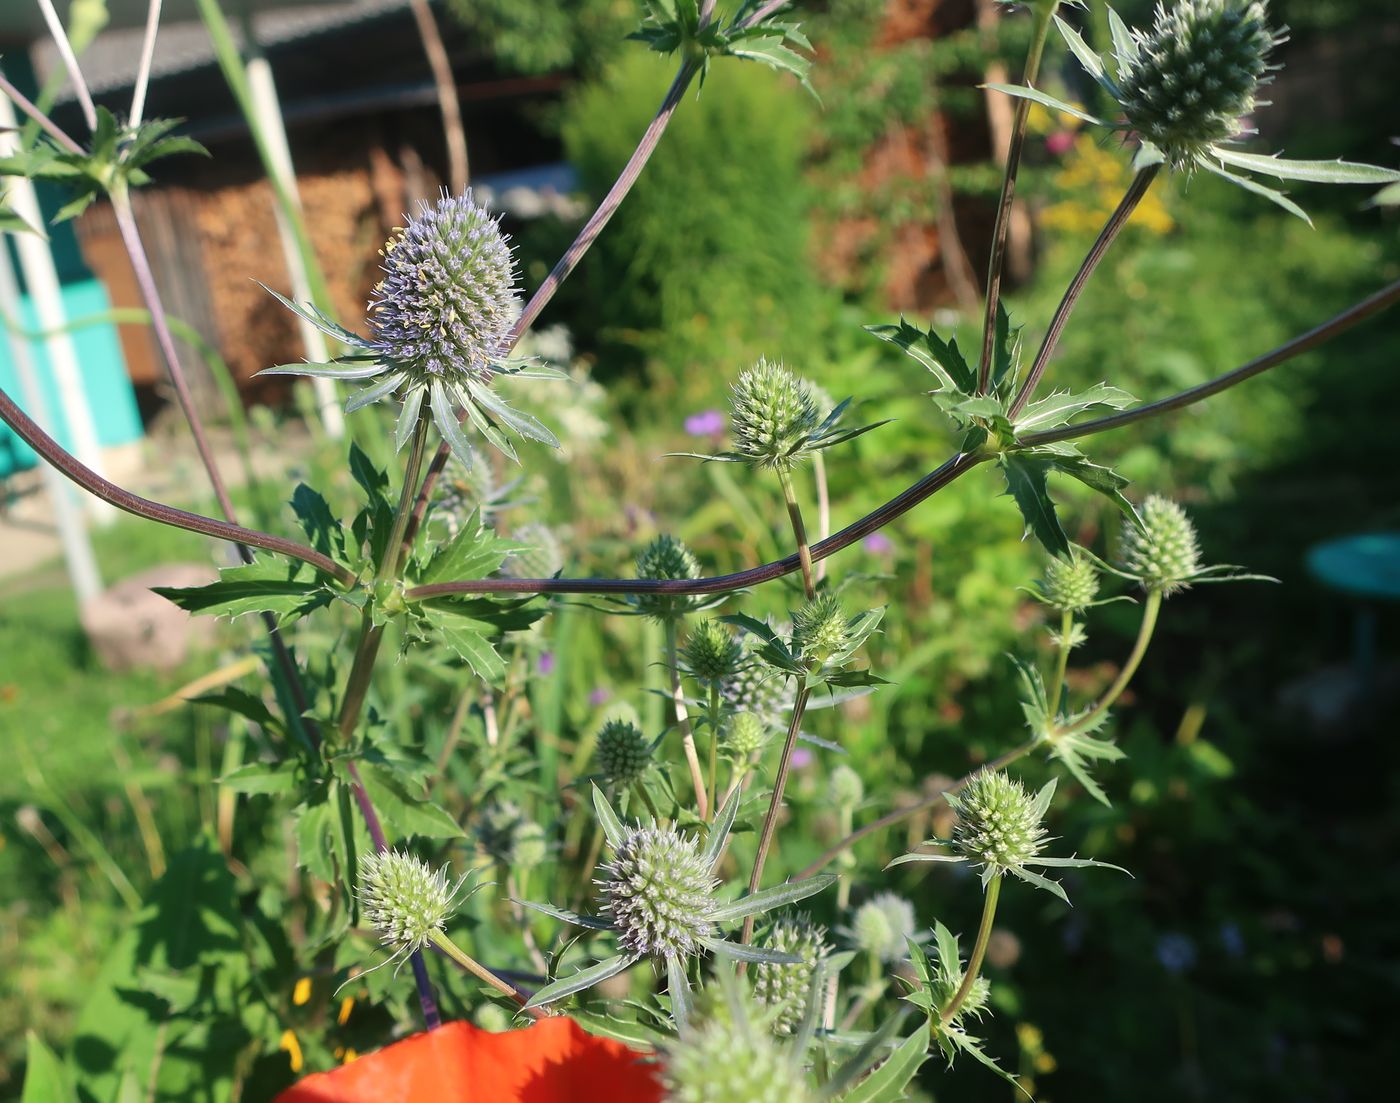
x,y
1116,221
70,62
775,803
1335,325
143,69
979,951
475,968
1144,637
692,756
446,84
799,532
1039,32
1061,664
23,102
899,815
51,452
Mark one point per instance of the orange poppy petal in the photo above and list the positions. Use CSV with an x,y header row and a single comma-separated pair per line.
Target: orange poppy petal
x,y
552,1061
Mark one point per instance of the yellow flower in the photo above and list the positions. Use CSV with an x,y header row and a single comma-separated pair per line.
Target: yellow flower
x,y
302,992
345,1005
293,1047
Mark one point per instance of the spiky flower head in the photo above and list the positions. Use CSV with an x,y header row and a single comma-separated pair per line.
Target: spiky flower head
x,y
711,652
507,834
745,734
542,556
845,787
725,1057
529,847
883,926
756,690
1071,583
785,989
624,753
821,629
658,890
1164,555
946,975
403,899
447,299
666,558
998,821
772,415
1195,73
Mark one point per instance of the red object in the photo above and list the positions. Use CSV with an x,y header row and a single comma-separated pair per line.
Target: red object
x,y
552,1061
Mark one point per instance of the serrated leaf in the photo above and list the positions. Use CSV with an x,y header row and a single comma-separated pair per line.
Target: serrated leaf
x,y
45,1080
1026,483
321,526
1096,477
1058,408
474,553
263,586
942,358
584,978
1317,172
403,812
1046,100
468,638
245,704
1272,195
767,899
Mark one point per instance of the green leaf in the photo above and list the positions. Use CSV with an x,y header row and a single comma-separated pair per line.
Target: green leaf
x,y
613,830
45,1080
1317,172
266,585
318,522
1273,196
584,978
1102,479
474,553
468,639
242,703
1093,64
942,358
776,897
373,481
1058,408
1025,482
1046,100
891,1078
953,1039
261,777
404,812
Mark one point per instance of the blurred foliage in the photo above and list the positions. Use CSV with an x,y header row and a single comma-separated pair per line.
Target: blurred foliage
x,y
538,36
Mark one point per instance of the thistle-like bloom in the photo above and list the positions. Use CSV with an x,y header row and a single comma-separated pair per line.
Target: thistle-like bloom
x,y
711,653
511,837
821,629
883,926
541,554
745,734
404,900
440,323
772,414
728,1056
845,788
662,902
1071,583
666,559
1185,84
786,989
624,753
999,828
756,690
1165,553
944,976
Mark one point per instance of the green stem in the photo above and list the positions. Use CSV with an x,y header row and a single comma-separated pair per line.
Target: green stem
x,y
1039,31
775,804
714,711
1144,637
799,532
979,951
692,757
1061,664
440,940
646,799
823,506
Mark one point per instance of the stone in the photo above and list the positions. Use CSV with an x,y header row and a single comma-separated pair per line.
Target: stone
x,y
129,627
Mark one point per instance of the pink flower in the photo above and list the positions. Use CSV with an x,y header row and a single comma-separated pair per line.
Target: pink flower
x,y
707,423
1059,143
877,543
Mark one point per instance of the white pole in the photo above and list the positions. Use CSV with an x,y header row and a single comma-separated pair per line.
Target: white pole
x,y
41,277
82,567
267,117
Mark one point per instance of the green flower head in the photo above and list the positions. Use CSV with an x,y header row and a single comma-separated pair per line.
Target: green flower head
x,y
821,629
1164,555
666,559
785,989
1071,583
883,926
624,753
403,899
711,653
772,415
998,821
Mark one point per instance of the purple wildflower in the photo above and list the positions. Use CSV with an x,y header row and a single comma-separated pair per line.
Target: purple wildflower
x,y
707,423
877,543
599,696
545,663
801,758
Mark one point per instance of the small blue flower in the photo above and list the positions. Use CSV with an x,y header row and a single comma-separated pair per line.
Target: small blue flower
x,y
1176,952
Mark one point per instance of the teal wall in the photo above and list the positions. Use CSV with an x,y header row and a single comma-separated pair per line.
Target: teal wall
x,y
108,388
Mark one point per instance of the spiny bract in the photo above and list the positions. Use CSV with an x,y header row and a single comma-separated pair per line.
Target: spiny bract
x,y
658,891
623,752
1195,73
1164,554
756,690
666,559
785,989
821,629
724,1060
447,300
403,899
772,414
745,734
998,823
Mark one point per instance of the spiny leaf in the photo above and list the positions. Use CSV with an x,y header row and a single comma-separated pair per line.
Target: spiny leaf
x,y
1025,482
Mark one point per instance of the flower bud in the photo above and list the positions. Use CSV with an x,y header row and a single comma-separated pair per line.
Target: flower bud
x,y
772,413
1070,585
998,823
1195,73
722,1058
1164,554
447,300
756,690
542,557
845,788
883,925
658,891
785,989
529,846
404,900
509,836
745,734
623,752
711,652
666,558
820,629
